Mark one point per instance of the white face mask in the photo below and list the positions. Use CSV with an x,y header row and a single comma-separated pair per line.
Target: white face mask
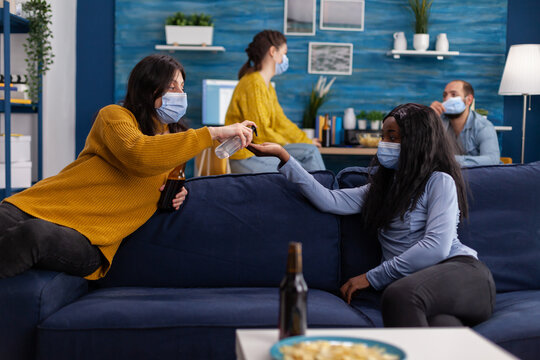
x,y
173,107
388,154
281,68
454,105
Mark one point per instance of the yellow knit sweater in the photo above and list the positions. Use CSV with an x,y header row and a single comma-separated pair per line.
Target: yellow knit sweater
x,y
253,100
112,188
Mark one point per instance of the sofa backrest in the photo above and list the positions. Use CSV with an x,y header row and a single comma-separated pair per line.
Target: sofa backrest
x,y
503,224
232,231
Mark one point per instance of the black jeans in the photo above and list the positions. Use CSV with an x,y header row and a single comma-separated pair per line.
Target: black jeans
x,y
456,292
26,241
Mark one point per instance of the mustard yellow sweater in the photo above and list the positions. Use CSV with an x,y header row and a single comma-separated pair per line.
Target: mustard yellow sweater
x,y
253,100
112,188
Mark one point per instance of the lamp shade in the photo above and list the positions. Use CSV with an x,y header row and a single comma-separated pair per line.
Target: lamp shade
x,y
522,71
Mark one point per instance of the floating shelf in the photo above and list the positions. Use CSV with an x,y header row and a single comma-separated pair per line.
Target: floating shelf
x,y
19,108
430,53
18,24
503,128
189,48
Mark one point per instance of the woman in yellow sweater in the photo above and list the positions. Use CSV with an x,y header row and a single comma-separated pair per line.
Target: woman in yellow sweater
x,y
255,98
75,221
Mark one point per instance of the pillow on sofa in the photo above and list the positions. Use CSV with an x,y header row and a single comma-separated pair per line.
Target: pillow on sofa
x,y
232,230
504,222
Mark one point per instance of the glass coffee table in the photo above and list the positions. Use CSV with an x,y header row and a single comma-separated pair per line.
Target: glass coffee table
x,y
417,343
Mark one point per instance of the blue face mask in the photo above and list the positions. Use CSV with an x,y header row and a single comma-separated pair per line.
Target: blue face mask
x,y
281,68
173,107
388,154
454,106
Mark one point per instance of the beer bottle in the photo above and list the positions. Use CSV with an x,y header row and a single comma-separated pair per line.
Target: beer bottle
x,y
326,133
293,296
175,182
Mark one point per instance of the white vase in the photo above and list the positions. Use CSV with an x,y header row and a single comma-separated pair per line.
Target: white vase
x,y
189,35
442,43
309,132
421,42
400,42
362,124
349,119
375,124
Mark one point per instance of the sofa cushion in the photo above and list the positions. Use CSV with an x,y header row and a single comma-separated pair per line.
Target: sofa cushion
x,y
25,301
515,324
232,230
130,323
504,223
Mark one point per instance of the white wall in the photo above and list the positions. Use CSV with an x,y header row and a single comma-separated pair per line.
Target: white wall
x,y
58,92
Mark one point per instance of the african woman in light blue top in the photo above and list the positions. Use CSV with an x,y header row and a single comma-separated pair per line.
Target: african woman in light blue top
x,y
414,201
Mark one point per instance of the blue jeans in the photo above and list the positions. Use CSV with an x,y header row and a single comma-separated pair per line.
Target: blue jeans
x,y
306,154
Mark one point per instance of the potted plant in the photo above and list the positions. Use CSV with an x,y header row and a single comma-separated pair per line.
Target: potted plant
x,y
194,29
375,119
319,95
362,120
420,9
39,55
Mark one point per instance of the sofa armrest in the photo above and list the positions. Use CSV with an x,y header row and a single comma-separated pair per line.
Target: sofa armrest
x,y
28,299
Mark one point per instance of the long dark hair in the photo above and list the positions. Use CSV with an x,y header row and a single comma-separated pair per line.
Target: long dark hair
x,y
425,148
257,49
149,80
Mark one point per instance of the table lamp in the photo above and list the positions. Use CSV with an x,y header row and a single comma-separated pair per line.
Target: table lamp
x,y
521,76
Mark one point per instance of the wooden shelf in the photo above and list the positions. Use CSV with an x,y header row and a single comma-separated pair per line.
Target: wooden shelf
x,y
189,48
335,150
429,53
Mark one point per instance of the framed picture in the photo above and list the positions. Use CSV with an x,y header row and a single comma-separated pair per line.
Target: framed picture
x,y
330,58
345,15
299,17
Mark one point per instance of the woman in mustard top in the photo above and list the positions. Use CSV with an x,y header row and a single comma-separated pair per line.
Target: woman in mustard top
x,y
75,221
255,98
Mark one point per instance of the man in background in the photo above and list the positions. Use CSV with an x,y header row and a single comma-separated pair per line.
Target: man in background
x,y
475,135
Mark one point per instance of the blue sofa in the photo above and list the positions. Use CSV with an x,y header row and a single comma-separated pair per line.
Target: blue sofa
x,y
183,282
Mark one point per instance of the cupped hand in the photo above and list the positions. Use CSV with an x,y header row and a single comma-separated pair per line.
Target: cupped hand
x,y
179,198
241,130
438,107
269,149
356,283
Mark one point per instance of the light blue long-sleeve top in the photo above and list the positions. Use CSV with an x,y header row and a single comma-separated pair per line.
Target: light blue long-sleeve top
x,y
479,141
426,236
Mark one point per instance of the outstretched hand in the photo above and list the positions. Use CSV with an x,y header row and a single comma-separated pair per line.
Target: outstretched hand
x,y
269,149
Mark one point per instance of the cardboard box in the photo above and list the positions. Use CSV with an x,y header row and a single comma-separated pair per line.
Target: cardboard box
x,y
21,175
20,148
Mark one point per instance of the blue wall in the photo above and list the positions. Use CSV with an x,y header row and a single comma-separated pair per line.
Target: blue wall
x,y
523,28
95,63
476,28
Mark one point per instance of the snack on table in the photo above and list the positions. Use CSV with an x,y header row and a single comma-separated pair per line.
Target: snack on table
x,y
332,350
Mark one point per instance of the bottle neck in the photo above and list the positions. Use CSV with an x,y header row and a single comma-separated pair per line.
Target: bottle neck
x,y
294,259
177,173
